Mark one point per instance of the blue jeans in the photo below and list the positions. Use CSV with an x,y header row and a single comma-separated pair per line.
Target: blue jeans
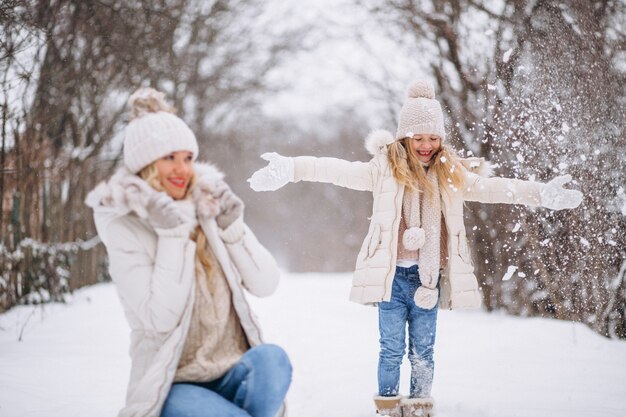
x,y
393,316
254,387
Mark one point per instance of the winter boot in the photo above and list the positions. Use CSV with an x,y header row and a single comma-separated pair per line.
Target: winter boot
x,y
388,406
417,407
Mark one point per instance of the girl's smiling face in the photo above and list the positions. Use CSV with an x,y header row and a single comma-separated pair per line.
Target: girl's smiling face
x,y
175,172
425,146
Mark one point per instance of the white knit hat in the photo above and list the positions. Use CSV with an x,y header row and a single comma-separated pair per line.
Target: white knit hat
x,y
155,131
421,113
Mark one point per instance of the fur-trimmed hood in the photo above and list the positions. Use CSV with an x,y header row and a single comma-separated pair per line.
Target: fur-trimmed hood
x,y
377,141
126,192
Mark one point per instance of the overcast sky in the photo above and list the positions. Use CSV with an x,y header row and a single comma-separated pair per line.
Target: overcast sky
x,y
346,42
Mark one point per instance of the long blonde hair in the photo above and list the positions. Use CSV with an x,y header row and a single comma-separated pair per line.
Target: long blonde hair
x,y
410,172
150,174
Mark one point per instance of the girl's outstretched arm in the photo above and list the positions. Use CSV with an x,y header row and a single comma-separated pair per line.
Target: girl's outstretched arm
x,y
282,170
513,191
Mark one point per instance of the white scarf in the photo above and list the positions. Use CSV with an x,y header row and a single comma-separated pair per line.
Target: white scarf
x,y
424,233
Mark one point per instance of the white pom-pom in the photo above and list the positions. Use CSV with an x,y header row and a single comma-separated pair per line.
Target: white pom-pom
x,y
426,297
421,88
414,238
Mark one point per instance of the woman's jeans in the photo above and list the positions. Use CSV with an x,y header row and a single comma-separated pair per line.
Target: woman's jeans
x,y
393,316
254,387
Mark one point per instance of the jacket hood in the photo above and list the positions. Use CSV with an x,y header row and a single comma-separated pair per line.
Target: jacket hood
x,y
376,142
126,192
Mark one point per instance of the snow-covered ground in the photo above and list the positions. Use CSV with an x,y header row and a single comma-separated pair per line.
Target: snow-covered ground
x,y
72,359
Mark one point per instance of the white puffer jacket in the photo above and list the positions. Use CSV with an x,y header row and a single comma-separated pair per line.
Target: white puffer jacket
x,y
376,261
154,276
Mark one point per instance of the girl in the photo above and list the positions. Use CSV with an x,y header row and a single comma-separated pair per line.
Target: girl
x,y
180,256
416,231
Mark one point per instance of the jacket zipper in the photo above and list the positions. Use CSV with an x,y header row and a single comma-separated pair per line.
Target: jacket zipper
x,y
394,235
179,348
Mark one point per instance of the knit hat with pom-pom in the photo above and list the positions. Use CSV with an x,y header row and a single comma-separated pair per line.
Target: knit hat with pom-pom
x,y
421,113
154,131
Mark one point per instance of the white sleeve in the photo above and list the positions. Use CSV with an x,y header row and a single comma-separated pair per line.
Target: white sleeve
x,y
501,190
353,175
256,265
155,289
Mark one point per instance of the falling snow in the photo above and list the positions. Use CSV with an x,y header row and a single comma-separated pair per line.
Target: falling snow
x,y
509,273
507,55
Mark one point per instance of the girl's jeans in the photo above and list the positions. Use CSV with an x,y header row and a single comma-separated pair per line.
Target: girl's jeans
x,y
254,387
393,316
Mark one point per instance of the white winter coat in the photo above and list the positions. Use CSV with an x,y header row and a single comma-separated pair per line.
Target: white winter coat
x,y
376,261
154,275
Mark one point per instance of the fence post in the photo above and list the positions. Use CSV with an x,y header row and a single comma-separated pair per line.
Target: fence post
x,y
16,219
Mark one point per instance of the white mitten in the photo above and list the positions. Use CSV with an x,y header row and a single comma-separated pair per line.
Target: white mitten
x,y
276,174
555,197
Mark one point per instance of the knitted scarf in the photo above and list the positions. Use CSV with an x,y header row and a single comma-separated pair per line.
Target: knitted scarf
x,y
423,233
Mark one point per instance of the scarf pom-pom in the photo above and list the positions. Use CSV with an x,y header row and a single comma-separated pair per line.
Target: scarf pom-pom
x,y
414,238
426,297
206,205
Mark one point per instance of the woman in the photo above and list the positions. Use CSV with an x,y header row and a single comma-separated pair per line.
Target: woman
x,y
416,231
180,256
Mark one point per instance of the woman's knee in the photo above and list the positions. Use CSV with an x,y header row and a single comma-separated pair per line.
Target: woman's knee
x,y
272,361
273,355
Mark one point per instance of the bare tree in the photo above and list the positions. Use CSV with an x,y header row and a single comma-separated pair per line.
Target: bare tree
x,y
63,111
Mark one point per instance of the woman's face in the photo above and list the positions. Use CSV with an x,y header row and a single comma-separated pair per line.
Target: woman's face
x,y
175,172
424,147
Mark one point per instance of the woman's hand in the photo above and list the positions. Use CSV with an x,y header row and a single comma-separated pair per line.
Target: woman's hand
x,y
276,174
166,213
555,197
231,206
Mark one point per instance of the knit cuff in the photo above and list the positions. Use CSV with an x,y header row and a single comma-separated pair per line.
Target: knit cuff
x,y
182,230
233,233
299,168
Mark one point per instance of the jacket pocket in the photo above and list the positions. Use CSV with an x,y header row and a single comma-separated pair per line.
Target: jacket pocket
x,y
374,241
463,248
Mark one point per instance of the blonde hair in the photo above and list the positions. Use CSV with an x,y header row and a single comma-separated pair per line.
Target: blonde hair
x,y
410,172
150,174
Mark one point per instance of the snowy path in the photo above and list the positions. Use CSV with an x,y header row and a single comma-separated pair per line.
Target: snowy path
x,y
72,360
